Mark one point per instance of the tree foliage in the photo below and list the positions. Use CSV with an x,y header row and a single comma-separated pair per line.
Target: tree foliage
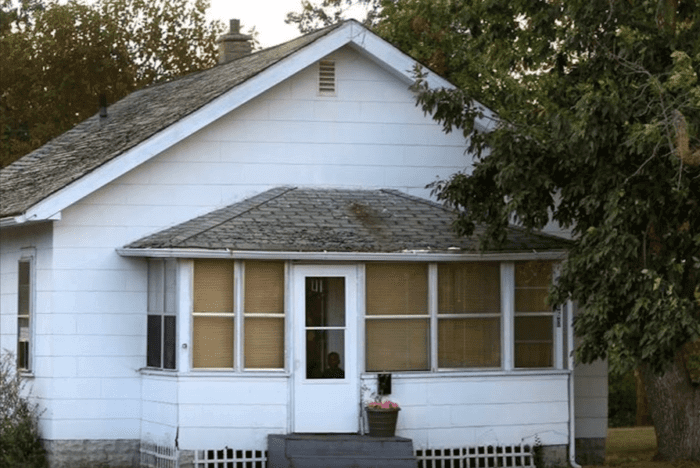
x,y
59,58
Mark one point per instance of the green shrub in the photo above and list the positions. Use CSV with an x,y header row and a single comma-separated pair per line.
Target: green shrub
x,y
622,400
20,445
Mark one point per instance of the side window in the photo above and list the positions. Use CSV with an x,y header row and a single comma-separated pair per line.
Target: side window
x,y
161,328
534,327
264,315
25,306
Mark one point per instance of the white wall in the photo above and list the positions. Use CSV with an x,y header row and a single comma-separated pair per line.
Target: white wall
x,y
443,411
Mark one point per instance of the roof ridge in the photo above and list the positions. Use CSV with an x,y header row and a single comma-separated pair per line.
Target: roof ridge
x,y
248,204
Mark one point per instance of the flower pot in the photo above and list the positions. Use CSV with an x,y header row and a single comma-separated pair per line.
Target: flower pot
x,y
382,423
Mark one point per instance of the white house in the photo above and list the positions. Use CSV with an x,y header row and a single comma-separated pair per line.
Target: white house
x,y
174,274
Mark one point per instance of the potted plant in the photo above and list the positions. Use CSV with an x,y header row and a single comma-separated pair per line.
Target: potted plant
x,y
381,418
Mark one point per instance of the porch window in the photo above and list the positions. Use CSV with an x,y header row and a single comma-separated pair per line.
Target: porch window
x,y
24,313
213,314
264,315
398,321
161,326
469,315
245,316
534,328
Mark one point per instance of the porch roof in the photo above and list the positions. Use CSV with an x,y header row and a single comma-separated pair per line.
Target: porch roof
x,y
291,219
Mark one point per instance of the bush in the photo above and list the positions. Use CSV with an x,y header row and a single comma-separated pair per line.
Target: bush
x,y
622,400
20,445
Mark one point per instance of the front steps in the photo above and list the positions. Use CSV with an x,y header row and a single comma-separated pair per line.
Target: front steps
x,y
338,451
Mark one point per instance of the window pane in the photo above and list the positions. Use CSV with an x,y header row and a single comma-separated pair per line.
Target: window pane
x,y
394,345
325,302
264,287
469,342
170,286
320,345
264,343
23,355
532,280
155,286
23,289
169,342
533,341
213,286
212,342
397,288
153,341
469,288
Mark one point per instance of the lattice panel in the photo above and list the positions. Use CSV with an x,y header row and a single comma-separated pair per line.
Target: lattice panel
x,y
476,457
230,458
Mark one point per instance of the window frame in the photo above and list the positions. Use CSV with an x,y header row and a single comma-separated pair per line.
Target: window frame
x,y
238,315
166,294
507,323
27,256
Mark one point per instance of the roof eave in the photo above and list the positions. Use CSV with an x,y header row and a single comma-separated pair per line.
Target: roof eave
x,y
404,256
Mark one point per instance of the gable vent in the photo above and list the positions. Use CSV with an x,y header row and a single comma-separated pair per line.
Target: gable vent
x,y
326,77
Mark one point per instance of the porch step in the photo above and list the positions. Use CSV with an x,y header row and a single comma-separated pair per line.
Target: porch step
x,y
339,451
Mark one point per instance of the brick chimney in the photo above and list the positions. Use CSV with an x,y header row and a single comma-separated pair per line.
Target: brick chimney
x,y
234,44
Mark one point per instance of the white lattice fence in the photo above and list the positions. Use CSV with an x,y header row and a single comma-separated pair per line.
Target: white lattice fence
x,y
158,456
230,458
493,456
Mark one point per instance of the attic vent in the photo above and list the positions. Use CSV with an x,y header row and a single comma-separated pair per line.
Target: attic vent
x,y
326,77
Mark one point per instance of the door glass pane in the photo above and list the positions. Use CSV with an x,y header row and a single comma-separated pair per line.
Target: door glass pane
x,y
325,327
325,302
325,354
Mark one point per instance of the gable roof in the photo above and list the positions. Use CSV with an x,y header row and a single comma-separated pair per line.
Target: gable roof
x,y
290,219
98,150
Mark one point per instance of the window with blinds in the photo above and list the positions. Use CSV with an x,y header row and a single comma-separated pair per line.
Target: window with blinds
x,y
264,315
469,315
533,327
397,325
213,314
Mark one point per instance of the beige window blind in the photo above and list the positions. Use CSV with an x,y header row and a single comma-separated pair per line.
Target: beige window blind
x,y
264,315
213,314
469,310
397,327
534,336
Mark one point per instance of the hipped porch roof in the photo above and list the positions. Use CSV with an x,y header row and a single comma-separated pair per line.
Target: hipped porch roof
x,y
343,221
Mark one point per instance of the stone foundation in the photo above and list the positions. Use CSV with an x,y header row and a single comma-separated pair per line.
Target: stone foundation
x,y
120,453
590,451
555,456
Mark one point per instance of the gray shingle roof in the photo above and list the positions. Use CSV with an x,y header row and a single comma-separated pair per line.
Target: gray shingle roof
x,y
131,121
332,220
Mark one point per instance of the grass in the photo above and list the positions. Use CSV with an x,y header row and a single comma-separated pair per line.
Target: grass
x,y
635,447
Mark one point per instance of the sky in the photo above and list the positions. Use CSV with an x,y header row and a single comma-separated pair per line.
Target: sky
x,y
266,15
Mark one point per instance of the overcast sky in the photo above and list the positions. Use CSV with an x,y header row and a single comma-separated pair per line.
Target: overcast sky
x,y
266,15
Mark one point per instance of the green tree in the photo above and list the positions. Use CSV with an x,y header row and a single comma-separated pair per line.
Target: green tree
x,y
59,58
598,106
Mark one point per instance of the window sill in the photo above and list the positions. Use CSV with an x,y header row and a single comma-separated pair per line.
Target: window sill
x,y
201,373
27,374
515,373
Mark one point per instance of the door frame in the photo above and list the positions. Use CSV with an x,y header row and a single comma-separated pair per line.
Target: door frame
x,y
299,383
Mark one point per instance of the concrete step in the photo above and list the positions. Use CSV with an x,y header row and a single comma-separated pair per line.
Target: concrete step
x,y
339,451
351,462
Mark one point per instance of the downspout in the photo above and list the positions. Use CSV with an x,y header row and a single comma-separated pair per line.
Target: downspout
x,y
570,351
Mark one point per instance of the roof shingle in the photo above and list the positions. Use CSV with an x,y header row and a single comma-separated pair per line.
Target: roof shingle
x,y
332,220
